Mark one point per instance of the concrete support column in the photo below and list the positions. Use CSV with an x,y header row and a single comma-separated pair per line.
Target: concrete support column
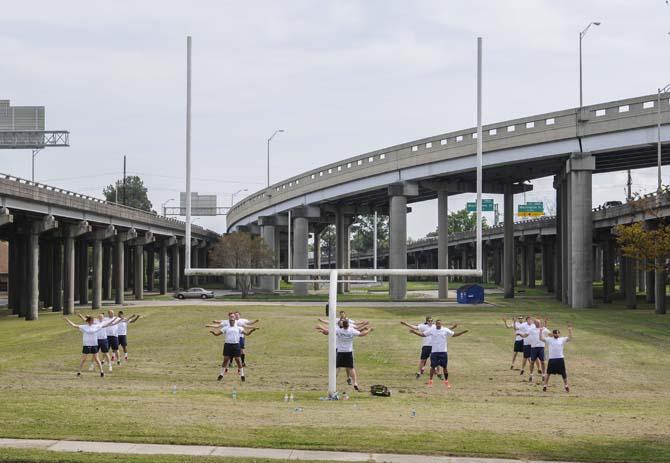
x,y
597,263
68,288
97,275
176,268
398,245
630,282
548,265
12,284
523,264
162,268
57,280
269,283
660,276
557,248
608,268
299,261
317,252
650,286
151,266
139,272
497,263
119,270
33,274
107,275
508,243
442,242
580,168
530,264
83,272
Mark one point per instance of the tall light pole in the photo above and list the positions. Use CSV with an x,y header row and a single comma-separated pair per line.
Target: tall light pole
x,y
232,196
658,110
165,204
35,153
581,37
269,140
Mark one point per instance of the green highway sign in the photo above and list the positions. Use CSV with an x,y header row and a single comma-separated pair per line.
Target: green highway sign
x,y
487,206
531,209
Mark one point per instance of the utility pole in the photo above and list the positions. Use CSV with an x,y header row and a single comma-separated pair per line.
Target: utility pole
x,y
124,180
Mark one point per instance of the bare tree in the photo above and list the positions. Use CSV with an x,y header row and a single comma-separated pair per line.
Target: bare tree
x,y
241,250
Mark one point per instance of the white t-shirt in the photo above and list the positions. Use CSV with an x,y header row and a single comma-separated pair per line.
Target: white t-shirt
x,y
534,336
102,332
90,334
517,331
424,328
122,328
242,323
438,338
524,328
111,330
345,338
556,346
232,333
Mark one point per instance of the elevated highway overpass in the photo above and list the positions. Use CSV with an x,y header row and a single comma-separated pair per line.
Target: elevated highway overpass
x,y
63,244
570,145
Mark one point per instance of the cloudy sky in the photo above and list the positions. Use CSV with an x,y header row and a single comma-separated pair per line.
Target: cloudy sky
x,y
341,77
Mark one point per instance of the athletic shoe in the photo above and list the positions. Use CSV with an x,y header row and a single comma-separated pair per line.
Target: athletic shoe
x,y
79,373
102,374
110,367
446,384
242,378
418,375
349,381
567,389
430,383
356,388
544,388
521,374
219,378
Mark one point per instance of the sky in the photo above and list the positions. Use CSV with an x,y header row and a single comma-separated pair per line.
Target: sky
x,y
340,77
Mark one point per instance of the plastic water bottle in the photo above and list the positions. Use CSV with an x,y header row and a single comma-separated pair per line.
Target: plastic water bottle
x,y
413,413
285,397
234,393
174,389
290,398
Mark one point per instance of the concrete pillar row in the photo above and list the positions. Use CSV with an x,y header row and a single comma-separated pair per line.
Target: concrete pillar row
x,y
530,263
57,278
139,272
398,194
343,221
629,282
151,267
121,259
557,253
107,273
443,241
269,283
98,237
70,233
608,267
580,168
508,242
523,274
83,271
299,261
33,258
175,268
163,263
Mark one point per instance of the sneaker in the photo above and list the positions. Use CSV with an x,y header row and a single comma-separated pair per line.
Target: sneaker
x,y
418,375
349,381
79,373
102,374
544,388
430,383
567,388
242,378
521,374
219,378
356,388
110,367
125,357
446,384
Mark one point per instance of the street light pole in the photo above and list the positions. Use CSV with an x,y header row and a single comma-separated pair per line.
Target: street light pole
x,y
232,196
165,204
581,36
269,140
35,153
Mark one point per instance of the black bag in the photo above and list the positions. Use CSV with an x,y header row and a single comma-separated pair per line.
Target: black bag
x,y
380,390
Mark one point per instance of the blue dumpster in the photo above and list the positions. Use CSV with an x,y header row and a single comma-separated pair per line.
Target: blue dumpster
x,y
470,294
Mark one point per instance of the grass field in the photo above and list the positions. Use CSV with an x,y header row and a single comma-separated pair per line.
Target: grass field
x,y
618,364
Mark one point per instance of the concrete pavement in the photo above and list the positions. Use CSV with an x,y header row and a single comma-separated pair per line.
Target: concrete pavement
x,y
237,452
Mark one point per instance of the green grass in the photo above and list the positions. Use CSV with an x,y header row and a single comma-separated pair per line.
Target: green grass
x,y
618,364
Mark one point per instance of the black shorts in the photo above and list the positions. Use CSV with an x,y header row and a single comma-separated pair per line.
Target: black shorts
x,y
425,352
113,342
90,350
439,359
556,367
526,351
518,346
537,353
123,340
231,350
345,360
241,343
103,345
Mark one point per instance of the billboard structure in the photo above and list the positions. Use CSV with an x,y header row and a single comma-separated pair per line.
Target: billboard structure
x,y
201,205
22,127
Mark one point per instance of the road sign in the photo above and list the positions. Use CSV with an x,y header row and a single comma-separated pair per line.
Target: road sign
x,y
531,209
487,206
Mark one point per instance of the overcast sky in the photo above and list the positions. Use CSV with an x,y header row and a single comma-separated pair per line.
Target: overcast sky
x,y
341,77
